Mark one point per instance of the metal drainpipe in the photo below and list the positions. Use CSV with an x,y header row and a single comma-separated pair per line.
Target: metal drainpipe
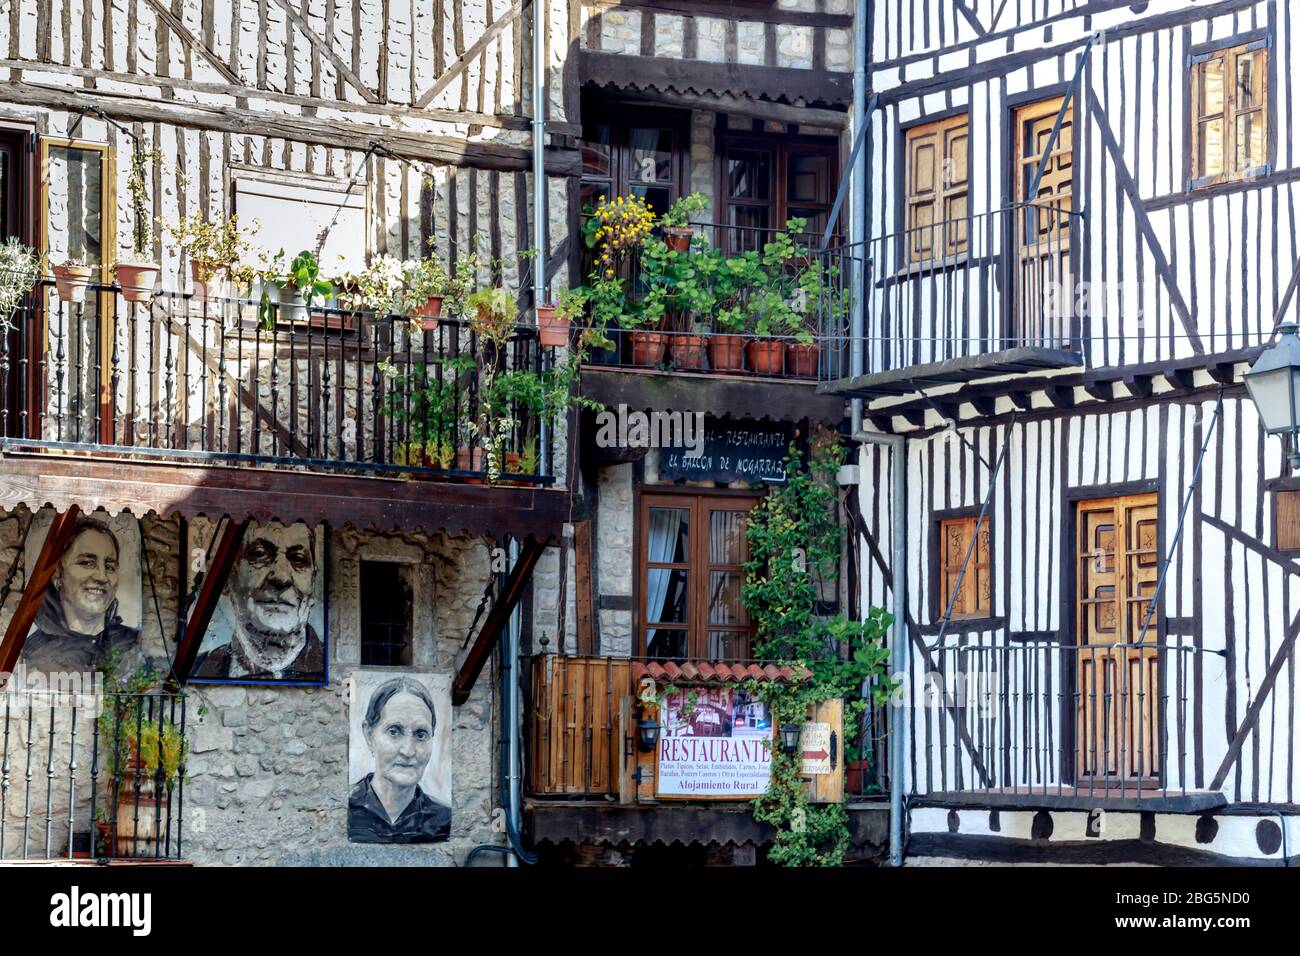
x,y
896,444
539,192
512,698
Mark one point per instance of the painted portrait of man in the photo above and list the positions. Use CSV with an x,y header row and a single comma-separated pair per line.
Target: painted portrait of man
x,y
268,628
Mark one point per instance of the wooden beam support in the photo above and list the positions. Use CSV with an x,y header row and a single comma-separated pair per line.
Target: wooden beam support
x,y
1139,386
1060,396
39,577
1222,372
914,416
1102,391
187,38
1022,400
1180,379
497,618
327,51
584,599
984,404
230,537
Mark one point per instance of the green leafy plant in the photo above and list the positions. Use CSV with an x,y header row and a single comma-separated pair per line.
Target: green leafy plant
x,y
137,184
431,402
491,314
683,210
212,245
20,267
793,537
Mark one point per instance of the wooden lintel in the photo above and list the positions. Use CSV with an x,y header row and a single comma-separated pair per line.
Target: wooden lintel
x,y
39,577
213,584
496,619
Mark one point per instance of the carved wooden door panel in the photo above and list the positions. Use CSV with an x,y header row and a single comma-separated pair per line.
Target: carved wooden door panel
x,y
1117,679
1043,289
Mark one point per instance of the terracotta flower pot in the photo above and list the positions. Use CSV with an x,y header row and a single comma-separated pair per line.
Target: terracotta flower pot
x,y
648,347
470,458
678,238
71,281
766,357
801,360
552,332
137,280
688,351
727,353
210,282
856,777
429,312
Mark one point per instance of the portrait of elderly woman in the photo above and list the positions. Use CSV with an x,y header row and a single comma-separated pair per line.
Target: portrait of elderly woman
x,y
80,623
402,740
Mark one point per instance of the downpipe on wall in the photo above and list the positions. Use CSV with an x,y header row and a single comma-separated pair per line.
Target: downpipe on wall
x,y
539,195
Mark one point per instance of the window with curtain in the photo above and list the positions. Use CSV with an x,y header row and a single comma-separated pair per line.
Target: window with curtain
x,y
691,549
630,151
1230,114
768,179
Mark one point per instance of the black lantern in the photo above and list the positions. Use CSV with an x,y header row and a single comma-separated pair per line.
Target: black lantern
x,y
1274,386
647,734
790,737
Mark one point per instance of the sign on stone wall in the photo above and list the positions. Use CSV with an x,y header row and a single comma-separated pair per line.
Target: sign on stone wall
x,y
399,757
734,450
270,625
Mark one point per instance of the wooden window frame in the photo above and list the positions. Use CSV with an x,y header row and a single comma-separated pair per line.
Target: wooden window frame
x,y
624,116
955,249
780,145
1278,491
406,570
698,502
1230,49
23,211
940,571
105,300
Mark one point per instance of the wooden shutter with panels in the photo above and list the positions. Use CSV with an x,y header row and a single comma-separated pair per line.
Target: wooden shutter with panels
x,y
973,595
938,185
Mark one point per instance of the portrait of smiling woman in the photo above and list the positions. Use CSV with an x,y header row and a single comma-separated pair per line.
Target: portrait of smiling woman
x,y
80,621
402,740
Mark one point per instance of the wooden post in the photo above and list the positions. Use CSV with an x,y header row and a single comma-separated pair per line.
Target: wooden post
x,y
38,580
496,619
582,597
205,602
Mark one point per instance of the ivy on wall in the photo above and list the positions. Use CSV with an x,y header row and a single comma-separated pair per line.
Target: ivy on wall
x,y
794,539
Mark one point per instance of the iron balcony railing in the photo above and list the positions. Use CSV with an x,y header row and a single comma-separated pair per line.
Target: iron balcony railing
x,y
219,380
968,286
1042,719
692,343
88,775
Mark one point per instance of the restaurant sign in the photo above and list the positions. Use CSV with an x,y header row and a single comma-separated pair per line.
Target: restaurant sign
x,y
715,742
732,451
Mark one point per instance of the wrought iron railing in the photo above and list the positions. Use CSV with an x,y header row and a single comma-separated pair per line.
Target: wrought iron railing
x,y
1049,720
220,380
968,286
86,775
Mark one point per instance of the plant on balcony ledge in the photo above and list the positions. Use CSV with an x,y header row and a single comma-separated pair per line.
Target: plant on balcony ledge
x,y
676,222
71,279
20,267
214,250
298,287
429,403
137,272
425,284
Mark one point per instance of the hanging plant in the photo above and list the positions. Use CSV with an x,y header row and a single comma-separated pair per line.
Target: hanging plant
x,y
20,267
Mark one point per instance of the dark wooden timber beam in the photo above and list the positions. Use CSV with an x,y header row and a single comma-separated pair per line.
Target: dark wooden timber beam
x,y
1022,400
496,619
984,404
229,539
38,581
1061,397
1181,379
584,597
1102,391
1139,386
465,59
1222,372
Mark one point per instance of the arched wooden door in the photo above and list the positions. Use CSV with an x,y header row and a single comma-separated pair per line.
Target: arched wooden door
x,y
1117,678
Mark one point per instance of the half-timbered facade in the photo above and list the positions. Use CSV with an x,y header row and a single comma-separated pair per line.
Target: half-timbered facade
x,y
1082,222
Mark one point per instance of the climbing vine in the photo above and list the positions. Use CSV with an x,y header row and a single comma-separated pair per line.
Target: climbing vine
x,y
793,540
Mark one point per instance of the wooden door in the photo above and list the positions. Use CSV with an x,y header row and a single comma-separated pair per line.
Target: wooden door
x,y
1043,288
1117,678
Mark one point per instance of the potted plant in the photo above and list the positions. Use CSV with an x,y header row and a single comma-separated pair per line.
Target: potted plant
x,y
298,288
555,320
71,278
775,293
213,249
429,402
20,267
491,314
425,282
137,272
676,222
616,231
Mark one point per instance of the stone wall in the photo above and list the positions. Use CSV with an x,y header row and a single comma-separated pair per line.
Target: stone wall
x,y
267,777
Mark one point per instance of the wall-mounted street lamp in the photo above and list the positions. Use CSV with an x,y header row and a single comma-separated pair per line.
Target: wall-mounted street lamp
x,y
790,737
1274,386
647,734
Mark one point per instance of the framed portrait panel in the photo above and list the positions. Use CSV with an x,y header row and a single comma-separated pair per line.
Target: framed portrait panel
x,y
271,622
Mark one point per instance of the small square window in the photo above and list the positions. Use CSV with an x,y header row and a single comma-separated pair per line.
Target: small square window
x,y
386,619
1230,114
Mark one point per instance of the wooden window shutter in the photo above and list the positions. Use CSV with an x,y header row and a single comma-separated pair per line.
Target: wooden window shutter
x,y
938,180
1286,518
974,593
1230,117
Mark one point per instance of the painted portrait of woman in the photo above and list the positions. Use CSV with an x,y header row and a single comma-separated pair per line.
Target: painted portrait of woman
x,y
78,625
388,805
